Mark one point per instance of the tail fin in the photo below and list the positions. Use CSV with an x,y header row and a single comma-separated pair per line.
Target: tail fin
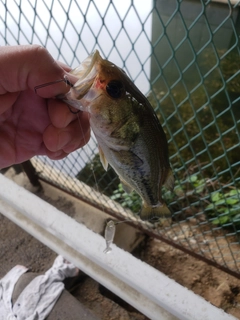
x,y
159,213
107,250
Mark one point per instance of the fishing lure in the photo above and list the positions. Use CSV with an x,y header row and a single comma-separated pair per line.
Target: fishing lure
x,y
109,235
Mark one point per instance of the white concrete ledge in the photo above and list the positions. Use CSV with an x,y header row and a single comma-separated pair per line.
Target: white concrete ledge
x,y
147,289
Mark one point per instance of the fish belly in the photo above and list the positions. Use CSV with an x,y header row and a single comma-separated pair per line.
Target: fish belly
x,y
134,170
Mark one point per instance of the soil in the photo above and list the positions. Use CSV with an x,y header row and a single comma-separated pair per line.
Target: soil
x,y
218,287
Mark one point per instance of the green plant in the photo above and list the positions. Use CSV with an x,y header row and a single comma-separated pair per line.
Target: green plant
x,y
226,206
220,207
131,201
94,175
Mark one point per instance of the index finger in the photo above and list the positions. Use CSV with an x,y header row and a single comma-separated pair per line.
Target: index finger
x,y
24,67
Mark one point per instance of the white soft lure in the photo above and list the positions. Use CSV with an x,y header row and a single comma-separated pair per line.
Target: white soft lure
x,y
109,235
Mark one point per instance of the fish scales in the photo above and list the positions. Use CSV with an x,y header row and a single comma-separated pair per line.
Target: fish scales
x,y
129,134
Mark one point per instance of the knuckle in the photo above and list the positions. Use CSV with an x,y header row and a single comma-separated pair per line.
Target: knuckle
x,y
39,51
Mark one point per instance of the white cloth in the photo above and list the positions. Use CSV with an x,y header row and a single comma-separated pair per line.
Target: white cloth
x,y
7,284
39,297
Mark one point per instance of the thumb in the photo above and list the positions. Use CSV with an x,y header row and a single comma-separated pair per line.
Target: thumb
x,y
25,67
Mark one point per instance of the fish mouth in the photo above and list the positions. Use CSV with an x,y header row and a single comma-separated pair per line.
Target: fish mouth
x,y
86,74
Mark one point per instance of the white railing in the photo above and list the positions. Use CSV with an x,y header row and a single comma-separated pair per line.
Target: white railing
x,y
145,288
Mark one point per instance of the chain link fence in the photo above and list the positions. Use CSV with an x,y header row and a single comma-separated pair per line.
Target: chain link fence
x,y
184,55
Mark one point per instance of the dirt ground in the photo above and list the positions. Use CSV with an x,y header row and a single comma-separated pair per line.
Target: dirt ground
x,y
216,286
18,247
221,289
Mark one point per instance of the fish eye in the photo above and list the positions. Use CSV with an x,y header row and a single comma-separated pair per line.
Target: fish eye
x,y
115,89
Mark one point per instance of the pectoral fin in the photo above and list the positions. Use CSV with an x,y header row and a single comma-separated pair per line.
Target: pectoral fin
x,y
103,159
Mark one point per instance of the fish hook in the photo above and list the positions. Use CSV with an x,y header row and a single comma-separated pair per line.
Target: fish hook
x,y
53,82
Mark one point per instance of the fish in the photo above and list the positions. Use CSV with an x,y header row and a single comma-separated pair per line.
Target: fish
x,y
129,135
109,235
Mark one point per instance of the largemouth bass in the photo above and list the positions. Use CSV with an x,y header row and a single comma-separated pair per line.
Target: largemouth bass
x,y
130,137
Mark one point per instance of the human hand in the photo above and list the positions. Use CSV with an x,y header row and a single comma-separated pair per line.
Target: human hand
x,y
35,124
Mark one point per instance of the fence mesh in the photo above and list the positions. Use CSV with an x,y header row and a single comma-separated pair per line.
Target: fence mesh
x,y
184,55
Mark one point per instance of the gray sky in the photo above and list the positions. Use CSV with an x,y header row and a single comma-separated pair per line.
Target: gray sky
x,y
35,30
